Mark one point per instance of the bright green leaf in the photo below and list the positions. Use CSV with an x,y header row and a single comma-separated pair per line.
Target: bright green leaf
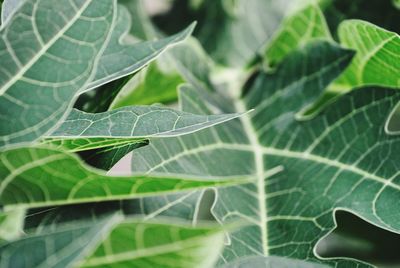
x,y
150,85
302,26
135,244
116,242
40,176
377,61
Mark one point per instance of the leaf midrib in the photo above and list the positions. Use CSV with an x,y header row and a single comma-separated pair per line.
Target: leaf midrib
x,y
260,151
44,48
258,158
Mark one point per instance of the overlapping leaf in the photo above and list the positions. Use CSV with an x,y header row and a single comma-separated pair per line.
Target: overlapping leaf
x,y
116,242
51,65
63,248
133,123
340,159
48,63
40,176
124,57
158,83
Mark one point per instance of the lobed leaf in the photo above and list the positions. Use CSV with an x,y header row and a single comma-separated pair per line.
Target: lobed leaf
x,y
340,159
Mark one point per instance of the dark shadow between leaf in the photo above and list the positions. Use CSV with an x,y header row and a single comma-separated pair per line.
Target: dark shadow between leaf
x,y
358,239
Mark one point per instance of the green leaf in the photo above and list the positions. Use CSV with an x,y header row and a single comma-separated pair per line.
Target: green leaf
x,y
142,27
120,58
239,36
63,248
40,176
396,3
50,64
150,85
116,242
159,82
136,244
84,131
79,144
226,30
124,58
377,61
341,159
303,25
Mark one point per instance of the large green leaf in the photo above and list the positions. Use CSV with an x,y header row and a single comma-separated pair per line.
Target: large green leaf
x,y
136,244
49,63
72,71
341,159
192,64
377,61
40,176
124,54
